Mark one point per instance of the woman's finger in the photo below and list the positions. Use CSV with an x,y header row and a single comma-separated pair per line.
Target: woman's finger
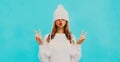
x,y
39,31
85,33
82,32
35,32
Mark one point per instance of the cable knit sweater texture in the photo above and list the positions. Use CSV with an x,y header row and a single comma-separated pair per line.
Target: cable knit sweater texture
x,y
59,50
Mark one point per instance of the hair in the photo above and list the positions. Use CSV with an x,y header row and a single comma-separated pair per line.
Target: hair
x,y
66,31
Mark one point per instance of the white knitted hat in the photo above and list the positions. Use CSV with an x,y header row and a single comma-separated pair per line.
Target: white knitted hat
x,y
61,13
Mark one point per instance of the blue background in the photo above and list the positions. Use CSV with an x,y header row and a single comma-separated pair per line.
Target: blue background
x,y
19,19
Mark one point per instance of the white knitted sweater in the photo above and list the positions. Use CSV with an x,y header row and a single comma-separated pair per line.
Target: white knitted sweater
x,y
59,50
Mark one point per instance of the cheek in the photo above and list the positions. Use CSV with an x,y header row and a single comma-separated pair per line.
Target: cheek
x,y
57,23
64,23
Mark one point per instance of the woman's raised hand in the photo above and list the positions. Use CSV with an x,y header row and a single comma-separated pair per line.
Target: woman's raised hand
x,y
82,37
38,37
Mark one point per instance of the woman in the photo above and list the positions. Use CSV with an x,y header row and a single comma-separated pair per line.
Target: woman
x,y
60,45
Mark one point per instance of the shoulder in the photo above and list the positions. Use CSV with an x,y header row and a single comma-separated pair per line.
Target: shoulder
x,y
73,37
46,36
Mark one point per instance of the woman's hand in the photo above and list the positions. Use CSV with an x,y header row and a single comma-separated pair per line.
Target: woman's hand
x,y
38,37
82,37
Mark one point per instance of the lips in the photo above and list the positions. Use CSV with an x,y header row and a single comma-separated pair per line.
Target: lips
x,y
60,24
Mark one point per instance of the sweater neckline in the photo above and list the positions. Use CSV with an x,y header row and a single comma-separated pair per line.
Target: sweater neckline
x,y
60,33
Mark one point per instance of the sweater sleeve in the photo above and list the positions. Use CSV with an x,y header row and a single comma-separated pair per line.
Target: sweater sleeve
x,y
44,52
75,51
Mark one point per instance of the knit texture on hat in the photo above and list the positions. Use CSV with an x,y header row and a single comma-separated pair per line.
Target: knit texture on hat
x,y
61,13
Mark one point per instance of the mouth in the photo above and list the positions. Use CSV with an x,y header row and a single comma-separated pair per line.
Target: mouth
x,y
60,24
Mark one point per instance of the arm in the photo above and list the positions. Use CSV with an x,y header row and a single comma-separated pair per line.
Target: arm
x,y
75,51
44,52
76,48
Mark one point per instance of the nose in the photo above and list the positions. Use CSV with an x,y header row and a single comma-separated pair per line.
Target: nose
x,y
60,20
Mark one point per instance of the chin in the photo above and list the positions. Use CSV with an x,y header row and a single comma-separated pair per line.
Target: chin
x,y
61,27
